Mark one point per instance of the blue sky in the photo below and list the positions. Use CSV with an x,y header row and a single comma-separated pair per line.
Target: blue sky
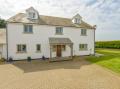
x,y
104,13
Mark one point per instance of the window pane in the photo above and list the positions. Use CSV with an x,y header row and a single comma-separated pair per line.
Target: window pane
x,y
25,28
38,48
80,46
18,48
24,48
33,15
83,31
21,48
75,20
59,30
83,46
28,28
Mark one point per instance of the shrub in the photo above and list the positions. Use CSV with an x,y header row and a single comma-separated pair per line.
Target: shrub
x,y
2,59
29,59
108,44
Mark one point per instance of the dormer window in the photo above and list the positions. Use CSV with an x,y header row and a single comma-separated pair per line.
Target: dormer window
x,y
77,20
31,15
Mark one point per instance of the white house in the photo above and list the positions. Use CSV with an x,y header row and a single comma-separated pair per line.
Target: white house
x,y
34,35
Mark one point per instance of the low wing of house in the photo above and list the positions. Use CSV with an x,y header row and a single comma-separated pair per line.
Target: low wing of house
x,y
2,36
2,43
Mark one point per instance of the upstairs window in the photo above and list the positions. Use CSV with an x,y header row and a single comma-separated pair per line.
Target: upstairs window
x,y
59,30
83,32
38,48
21,48
83,47
28,29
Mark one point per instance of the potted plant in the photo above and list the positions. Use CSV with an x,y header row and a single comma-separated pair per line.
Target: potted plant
x,y
10,59
29,59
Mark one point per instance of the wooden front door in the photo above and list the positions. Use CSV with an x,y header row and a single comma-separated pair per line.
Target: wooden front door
x,y
59,49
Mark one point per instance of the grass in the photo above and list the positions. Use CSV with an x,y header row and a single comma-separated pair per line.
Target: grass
x,y
110,60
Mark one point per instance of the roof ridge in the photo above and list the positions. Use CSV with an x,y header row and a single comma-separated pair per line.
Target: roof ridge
x,y
55,16
47,16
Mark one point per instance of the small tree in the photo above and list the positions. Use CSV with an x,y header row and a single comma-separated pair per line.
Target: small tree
x,y
2,23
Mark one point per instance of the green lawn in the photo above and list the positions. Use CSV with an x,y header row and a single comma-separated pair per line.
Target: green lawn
x,y
110,60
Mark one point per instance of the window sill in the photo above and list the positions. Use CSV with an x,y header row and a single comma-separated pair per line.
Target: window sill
x,y
58,34
38,51
83,50
21,52
83,35
27,32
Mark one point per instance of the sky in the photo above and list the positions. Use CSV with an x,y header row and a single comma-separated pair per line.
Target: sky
x,y
103,13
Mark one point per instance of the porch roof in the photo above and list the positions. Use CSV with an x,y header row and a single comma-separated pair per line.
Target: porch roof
x,y
53,40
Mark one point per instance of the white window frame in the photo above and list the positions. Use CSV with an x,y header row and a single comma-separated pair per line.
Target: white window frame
x,y
37,47
83,32
32,15
28,28
59,31
77,20
21,48
83,47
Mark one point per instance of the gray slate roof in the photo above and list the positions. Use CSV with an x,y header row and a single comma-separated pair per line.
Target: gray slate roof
x,y
54,40
48,20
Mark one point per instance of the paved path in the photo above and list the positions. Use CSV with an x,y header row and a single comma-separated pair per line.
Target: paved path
x,y
57,75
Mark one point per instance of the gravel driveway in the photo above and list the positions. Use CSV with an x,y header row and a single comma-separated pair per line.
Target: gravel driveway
x,y
38,74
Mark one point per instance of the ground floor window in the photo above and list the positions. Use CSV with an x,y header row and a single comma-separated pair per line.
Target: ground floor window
x,y
83,46
38,48
21,48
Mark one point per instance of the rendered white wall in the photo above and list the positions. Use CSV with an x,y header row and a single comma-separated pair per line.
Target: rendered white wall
x,y
41,34
2,51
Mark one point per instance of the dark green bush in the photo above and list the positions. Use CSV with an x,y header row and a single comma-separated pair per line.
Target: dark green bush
x,y
108,44
29,59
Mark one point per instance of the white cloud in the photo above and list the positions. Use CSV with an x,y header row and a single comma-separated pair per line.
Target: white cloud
x,y
104,13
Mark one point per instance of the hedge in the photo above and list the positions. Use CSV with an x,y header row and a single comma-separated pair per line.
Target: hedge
x,y
108,44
